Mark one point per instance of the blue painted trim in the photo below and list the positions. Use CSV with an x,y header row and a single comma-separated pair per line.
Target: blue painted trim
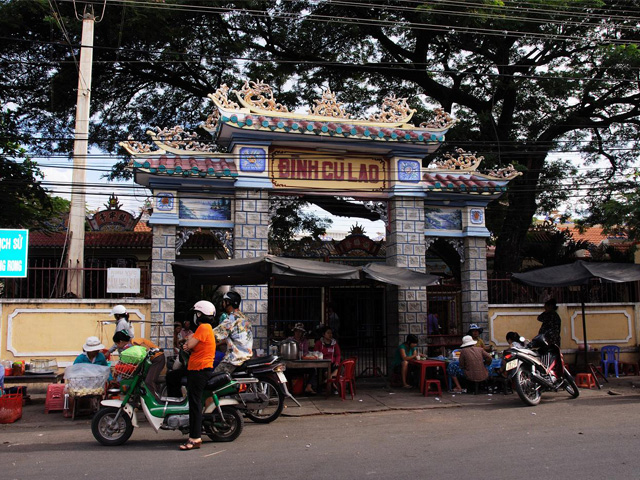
x,y
206,223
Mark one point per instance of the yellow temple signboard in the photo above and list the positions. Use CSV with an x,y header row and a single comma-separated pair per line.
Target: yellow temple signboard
x,y
306,170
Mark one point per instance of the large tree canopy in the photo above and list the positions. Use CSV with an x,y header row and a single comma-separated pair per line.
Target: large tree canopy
x,y
26,203
526,79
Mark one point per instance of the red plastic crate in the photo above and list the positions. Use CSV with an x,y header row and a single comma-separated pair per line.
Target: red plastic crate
x,y
55,398
10,407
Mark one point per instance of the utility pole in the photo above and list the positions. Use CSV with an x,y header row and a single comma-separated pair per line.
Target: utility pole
x,y
75,255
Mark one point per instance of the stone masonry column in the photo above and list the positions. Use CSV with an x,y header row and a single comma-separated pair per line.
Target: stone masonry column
x,y
163,284
406,247
250,239
475,296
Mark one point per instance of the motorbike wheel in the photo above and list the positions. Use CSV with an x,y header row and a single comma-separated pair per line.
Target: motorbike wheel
x,y
570,385
276,402
109,433
221,432
528,390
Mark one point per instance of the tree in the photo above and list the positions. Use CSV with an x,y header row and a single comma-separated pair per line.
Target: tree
x,y
289,220
26,204
525,81
619,214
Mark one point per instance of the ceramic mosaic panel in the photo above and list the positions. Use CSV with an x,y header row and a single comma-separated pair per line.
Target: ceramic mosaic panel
x,y
252,159
442,219
205,209
409,171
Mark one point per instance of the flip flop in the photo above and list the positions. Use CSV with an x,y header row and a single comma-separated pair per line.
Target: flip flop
x,y
189,445
407,386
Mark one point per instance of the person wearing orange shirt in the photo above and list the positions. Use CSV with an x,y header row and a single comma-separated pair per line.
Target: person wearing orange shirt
x,y
202,345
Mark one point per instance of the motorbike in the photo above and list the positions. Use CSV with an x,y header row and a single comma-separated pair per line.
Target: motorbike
x,y
113,424
263,401
536,368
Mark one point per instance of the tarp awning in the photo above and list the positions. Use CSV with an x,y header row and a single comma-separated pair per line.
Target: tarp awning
x,y
398,275
579,273
294,271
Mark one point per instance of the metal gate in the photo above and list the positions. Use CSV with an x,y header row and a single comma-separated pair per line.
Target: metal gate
x,y
362,331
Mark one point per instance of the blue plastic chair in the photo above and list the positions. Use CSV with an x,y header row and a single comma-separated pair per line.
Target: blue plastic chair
x,y
610,355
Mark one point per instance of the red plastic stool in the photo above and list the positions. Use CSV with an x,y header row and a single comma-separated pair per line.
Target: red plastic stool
x,y
585,380
55,398
437,390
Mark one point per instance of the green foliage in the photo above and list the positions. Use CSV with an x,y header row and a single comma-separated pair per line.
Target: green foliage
x,y
288,220
555,76
26,204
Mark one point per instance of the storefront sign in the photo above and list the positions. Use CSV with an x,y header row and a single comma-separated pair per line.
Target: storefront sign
x,y
311,170
14,247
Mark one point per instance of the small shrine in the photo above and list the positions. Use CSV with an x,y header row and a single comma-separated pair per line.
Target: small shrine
x,y
112,218
260,151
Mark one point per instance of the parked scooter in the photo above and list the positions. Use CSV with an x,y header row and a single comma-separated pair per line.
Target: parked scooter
x,y
263,401
538,367
114,422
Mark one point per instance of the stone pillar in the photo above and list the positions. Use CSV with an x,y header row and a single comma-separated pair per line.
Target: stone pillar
x,y
406,306
475,296
250,239
163,284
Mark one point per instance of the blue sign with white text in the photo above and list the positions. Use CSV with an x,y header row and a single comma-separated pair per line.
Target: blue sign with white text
x,y
14,247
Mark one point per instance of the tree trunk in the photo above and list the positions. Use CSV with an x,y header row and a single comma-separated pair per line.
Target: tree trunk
x,y
518,220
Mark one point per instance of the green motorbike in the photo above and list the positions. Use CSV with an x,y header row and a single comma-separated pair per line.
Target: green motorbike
x,y
113,424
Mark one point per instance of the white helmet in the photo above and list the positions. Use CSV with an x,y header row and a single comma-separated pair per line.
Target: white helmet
x,y
119,310
205,307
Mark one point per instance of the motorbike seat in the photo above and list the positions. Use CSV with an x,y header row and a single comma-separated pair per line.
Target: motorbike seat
x,y
171,400
217,380
259,361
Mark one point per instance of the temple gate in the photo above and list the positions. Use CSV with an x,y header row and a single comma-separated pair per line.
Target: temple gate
x,y
325,153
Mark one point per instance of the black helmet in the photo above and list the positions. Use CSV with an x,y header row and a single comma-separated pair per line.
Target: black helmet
x,y
233,298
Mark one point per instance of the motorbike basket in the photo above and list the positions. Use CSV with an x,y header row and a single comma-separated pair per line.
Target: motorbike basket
x,y
124,370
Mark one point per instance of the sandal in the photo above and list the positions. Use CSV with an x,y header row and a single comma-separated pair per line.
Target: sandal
x,y
189,445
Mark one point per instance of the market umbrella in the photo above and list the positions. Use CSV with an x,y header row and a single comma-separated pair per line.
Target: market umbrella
x,y
578,274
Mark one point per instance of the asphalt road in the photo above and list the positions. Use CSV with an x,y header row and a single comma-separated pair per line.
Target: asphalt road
x,y
561,438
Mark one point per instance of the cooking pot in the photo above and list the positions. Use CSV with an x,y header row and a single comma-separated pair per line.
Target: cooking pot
x,y
289,350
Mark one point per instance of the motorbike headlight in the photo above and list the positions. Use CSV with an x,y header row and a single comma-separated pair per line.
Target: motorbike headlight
x,y
280,368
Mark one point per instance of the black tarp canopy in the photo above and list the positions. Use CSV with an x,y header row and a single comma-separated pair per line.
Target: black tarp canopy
x,y
295,271
578,274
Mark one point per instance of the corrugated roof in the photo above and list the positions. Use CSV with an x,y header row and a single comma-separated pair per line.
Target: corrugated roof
x,y
130,240
93,239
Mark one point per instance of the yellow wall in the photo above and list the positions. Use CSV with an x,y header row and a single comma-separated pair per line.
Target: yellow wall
x,y
58,328
613,324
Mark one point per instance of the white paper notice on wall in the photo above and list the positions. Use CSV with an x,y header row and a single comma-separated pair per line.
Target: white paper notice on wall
x,y
123,280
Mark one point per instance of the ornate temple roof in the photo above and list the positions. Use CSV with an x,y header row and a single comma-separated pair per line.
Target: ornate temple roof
x,y
463,183
258,110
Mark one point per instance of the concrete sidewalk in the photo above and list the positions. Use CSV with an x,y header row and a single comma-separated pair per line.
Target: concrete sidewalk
x,y
372,396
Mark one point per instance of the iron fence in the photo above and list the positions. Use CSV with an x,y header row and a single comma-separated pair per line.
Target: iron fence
x,y
46,279
504,291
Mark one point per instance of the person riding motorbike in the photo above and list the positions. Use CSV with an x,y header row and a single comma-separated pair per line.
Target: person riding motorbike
x,y
235,330
202,345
